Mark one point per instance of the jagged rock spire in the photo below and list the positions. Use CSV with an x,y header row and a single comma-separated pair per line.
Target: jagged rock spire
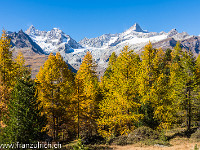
x,y
30,30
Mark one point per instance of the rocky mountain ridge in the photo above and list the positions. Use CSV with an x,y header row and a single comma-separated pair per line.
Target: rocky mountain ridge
x,y
52,41
55,40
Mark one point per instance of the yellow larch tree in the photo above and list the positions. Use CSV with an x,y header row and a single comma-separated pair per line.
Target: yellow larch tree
x,y
55,86
86,96
154,88
148,74
119,108
6,72
9,70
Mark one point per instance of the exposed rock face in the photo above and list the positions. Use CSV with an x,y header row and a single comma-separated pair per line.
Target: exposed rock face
x,y
192,44
189,44
22,40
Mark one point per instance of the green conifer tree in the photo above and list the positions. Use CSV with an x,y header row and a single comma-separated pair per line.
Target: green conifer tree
x,y
183,80
24,120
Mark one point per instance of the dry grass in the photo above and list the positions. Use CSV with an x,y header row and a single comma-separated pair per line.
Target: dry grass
x,y
177,144
32,59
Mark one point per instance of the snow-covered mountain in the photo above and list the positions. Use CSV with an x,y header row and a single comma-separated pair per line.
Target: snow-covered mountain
x,y
102,47
134,35
52,41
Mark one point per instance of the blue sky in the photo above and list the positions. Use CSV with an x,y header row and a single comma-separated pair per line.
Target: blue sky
x,y
92,18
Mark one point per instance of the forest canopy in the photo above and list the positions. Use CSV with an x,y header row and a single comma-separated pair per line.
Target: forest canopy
x,y
158,89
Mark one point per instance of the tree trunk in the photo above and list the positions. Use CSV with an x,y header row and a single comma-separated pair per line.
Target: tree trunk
x,y
189,112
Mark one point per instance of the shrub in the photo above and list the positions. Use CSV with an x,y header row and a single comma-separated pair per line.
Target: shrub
x,y
196,147
141,134
120,140
95,139
196,135
79,146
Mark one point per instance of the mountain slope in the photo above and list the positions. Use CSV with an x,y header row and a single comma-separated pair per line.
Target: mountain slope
x,y
189,44
22,40
33,53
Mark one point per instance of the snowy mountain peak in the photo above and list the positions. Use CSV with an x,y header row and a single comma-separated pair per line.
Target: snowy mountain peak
x,y
172,32
136,27
30,30
57,30
31,27
52,41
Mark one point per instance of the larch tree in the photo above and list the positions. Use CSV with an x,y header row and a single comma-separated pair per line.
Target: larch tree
x,y
55,86
105,80
176,78
160,90
148,74
5,63
109,69
154,88
191,98
20,68
7,72
86,96
197,102
184,82
119,108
